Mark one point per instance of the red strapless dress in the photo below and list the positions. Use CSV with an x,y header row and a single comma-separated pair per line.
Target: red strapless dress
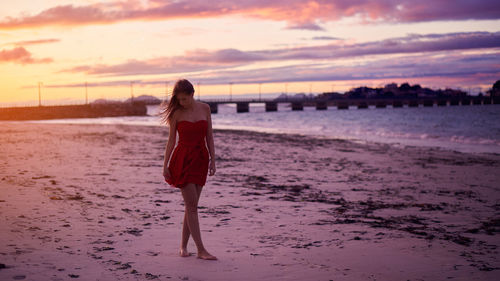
x,y
189,161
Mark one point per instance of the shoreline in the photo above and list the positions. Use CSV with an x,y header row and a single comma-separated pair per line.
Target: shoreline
x,y
355,141
269,131
87,200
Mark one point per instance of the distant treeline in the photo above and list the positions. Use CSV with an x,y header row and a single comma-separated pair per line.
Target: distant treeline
x,y
405,90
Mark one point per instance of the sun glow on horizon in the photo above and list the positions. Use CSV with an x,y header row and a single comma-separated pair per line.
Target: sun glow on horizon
x,y
248,45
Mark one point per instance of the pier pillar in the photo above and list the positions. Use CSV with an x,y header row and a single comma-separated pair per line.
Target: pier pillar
x,y
213,107
465,101
362,104
397,103
496,100
428,102
242,107
297,105
476,100
486,100
413,103
454,101
441,102
271,106
321,105
342,105
380,104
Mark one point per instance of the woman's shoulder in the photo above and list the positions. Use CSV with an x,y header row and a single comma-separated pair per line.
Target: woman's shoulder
x,y
175,117
203,105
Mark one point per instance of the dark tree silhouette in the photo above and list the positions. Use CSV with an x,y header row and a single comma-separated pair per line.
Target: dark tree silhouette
x,y
496,86
494,92
405,87
388,94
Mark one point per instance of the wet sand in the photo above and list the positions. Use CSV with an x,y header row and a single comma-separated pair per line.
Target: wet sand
x,y
88,202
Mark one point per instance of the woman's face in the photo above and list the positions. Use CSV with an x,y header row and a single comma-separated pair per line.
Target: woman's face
x,y
185,100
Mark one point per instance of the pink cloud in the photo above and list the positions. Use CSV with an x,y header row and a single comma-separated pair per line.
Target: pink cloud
x,y
297,13
412,43
195,60
417,11
473,68
20,55
201,60
432,57
455,69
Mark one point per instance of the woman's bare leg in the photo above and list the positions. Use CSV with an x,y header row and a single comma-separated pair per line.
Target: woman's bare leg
x,y
185,237
190,195
185,228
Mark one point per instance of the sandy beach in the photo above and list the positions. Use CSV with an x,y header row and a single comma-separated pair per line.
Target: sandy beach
x,y
88,202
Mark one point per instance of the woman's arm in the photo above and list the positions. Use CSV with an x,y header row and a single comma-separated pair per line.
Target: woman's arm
x,y
172,135
210,141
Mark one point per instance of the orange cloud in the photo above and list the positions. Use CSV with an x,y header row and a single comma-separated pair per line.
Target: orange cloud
x,y
20,55
33,42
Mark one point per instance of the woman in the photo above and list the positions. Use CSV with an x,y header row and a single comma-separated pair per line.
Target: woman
x,y
189,164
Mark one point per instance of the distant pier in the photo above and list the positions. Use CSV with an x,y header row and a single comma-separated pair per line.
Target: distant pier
x,y
73,111
138,108
243,105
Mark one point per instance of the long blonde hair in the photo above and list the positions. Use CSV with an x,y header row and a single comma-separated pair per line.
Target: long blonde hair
x,y
168,108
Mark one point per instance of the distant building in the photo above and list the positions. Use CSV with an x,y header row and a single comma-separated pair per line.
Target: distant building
x,y
299,96
392,87
331,96
405,90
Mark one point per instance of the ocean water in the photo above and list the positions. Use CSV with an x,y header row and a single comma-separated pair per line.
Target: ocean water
x,y
474,128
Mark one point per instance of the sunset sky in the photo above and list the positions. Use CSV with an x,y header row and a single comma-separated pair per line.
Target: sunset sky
x,y
306,45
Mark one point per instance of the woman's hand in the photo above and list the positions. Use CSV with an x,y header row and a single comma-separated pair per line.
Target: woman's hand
x,y
166,173
212,167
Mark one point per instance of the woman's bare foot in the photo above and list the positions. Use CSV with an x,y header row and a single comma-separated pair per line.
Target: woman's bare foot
x,y
206,256
184,252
